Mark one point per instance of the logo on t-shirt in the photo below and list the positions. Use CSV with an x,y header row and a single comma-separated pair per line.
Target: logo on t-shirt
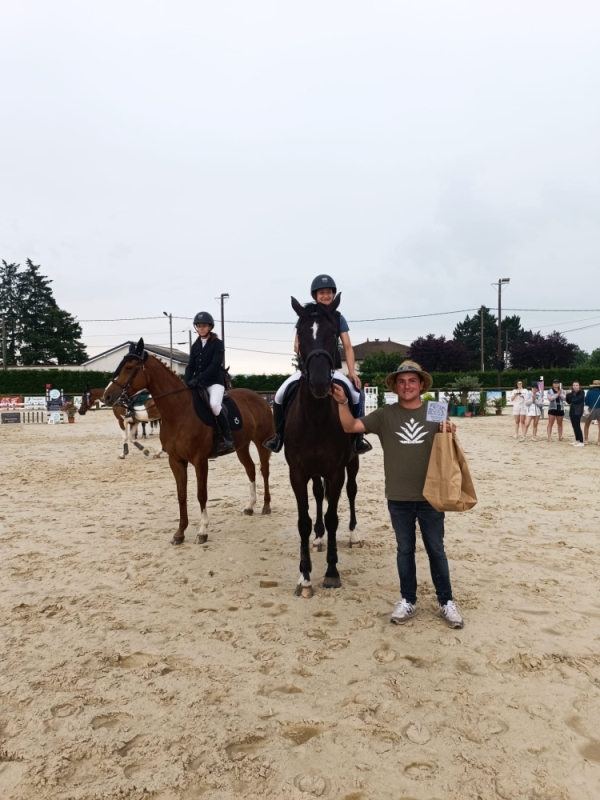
x,y
412,433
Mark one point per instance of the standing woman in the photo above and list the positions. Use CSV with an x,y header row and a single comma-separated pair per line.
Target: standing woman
x,y
205,368
534,404
518,397
556,411
575,399
592,401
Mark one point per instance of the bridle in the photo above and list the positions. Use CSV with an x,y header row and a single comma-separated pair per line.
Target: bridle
x,y
320,352
125,398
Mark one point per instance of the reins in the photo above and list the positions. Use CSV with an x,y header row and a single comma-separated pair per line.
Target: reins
x,y
128,401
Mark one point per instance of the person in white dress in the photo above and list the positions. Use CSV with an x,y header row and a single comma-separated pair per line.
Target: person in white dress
x,y
518,397
534,404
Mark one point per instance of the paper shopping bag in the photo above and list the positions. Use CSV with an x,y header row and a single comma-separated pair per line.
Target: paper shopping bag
x,y
448,485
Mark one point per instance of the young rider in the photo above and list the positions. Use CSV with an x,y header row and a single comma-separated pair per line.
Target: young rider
x,y
205,368
324,290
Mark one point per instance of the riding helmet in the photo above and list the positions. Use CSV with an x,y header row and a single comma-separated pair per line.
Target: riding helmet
x,y
204,318
322,282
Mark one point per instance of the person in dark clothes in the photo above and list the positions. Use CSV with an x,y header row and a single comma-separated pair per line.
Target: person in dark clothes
x,y
575,399
205,368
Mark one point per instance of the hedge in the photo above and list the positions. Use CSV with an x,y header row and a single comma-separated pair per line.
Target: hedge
x,y
585,376
33,381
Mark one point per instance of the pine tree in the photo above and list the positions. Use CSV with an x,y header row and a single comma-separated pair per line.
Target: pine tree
x,y
468,333
9,306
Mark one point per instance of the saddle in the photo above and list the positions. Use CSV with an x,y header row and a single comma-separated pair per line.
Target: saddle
x,y
204,412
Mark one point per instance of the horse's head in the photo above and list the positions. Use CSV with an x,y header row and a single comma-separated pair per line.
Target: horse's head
x,y
86,401
317,343
129,377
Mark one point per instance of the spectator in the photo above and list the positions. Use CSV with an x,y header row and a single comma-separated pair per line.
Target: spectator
x,y
575,399
534,404
556,408
518,397
592,401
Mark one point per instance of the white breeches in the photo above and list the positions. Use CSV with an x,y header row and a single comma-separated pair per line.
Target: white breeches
x,y
215,395
279,395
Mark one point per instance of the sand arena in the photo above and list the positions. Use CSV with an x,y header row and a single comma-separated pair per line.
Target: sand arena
x,y
133,669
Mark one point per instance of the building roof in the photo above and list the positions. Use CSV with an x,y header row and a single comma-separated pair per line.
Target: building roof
x,y
162,352
361,351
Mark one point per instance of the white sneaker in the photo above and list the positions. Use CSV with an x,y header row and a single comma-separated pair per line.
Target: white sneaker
x,y
449,613
578,444
403,611
534,438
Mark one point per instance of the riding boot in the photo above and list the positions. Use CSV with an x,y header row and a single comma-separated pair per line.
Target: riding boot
x,y
361,445
275,443
225,442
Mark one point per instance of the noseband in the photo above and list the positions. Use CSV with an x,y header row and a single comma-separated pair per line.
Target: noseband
x,y
140,366
314,354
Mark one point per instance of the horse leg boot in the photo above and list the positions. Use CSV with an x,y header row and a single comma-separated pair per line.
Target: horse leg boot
x,y
275,443
225,443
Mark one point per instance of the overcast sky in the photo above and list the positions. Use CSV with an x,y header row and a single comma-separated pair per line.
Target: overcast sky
x,y
156,154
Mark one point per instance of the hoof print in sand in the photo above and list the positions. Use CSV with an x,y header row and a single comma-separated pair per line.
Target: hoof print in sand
x,y
237,751
416,733
315,785
110,720
420,770
385,655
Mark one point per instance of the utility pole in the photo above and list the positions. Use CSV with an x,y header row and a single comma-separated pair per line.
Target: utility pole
x,y
501,282
190,337
170,316
481,338
4,364
223,298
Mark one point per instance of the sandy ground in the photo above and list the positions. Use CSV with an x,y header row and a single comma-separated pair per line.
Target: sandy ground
x,y
133,669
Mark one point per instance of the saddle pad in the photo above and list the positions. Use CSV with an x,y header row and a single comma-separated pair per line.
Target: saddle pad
x,y
292,390
203,410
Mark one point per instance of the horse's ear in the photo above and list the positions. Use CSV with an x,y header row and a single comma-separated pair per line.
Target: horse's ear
x,y
132,347
336,301
139,349
298,307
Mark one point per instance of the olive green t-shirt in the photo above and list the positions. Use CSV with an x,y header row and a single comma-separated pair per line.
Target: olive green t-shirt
x,y
407,439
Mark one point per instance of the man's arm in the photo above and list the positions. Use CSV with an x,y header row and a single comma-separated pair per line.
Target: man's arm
x,y
349,424
350,362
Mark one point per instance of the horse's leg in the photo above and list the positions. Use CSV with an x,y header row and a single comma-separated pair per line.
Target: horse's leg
x,y
125,429
351,490
265,456
202,480
299,485
246,459
143,431
179,470
334,490
319,493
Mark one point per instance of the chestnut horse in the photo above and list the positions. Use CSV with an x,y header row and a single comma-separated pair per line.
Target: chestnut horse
x,y
315,442
186,439
128,424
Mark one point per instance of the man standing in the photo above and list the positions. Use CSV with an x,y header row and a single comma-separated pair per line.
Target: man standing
x,y
407,438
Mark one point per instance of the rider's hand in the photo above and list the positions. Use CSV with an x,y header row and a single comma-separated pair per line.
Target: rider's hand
x,y
355,379
192,383
338,394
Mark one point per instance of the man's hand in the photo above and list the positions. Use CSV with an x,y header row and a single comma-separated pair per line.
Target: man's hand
x,y
355,379
447,426
338,394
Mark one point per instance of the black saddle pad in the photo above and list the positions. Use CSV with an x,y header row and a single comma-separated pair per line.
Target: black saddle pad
x,y
203,410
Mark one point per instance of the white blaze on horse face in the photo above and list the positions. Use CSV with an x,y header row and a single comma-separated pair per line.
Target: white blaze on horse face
x,y
315,330
252,501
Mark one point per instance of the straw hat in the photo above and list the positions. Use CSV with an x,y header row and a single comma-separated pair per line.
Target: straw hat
x,y
409,366
595,383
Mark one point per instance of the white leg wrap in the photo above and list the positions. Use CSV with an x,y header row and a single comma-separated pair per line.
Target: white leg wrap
x,y
302,582
203,530
252,500
354,537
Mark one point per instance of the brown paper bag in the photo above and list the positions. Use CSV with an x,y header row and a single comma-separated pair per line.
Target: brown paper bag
x,y
448,485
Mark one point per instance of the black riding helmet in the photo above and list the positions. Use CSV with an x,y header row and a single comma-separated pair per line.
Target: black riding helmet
x,y
204,318
322,282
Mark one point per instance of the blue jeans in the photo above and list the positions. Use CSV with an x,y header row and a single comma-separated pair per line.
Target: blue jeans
x,y
431,522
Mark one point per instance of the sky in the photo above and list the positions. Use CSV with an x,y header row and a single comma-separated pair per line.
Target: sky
x,y
154,155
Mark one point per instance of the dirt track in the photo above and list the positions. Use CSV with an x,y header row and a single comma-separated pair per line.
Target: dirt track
x,y
133,669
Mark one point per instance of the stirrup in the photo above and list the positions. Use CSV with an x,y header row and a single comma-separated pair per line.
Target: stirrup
x,y
225,445
274,444
361,445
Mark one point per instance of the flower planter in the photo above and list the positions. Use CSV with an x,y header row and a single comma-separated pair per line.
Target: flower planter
x,y
498,412
461,411
71,419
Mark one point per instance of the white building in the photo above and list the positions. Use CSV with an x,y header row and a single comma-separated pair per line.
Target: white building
x,y
109,360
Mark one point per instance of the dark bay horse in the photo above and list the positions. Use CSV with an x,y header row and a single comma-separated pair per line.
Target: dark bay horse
x,y
186,439
315,444
128,424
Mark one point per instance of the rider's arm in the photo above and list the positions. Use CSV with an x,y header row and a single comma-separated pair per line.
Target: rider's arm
x,y
350,363
189,370
349,424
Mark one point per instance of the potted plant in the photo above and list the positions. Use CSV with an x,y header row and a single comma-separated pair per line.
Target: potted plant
x,y
70,410
498,403
462,387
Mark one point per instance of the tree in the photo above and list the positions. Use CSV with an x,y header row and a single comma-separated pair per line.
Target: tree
x,y
437,354
468,333
375,367
543,352
582,358
9,306
39,332
594,360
